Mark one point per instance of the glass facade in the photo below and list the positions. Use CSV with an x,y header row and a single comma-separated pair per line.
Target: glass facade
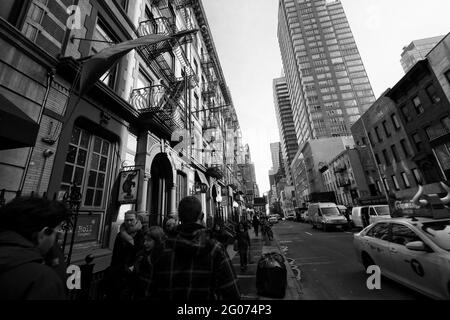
x,y
326,78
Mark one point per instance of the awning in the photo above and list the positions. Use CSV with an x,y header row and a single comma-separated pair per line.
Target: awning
x,y
17,130
202,177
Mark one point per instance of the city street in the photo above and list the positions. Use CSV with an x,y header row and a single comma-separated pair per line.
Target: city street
x,y
329,269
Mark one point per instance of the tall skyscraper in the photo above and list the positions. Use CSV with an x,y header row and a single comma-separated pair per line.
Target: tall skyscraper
x,y
417,50
275,150
326,78
288,138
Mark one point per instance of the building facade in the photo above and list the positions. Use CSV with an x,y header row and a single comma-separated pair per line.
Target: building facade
x,y
328,86
417,50
283,112
158,126
310,159
344,175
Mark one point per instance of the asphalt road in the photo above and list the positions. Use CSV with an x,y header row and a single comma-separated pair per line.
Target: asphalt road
x,y
328,266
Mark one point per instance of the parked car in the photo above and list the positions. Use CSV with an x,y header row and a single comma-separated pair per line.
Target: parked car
x,y
290,216
273,218
412,251
376,213
326,215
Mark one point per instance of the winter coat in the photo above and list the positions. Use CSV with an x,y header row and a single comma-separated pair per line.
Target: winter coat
x,y
194,267
243,241
23,274
119,281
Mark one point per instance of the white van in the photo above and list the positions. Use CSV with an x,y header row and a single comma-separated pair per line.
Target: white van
x,y
326,215
376,212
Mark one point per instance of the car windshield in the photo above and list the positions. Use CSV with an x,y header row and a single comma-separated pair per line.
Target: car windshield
x,y
438,232
331,211
382,211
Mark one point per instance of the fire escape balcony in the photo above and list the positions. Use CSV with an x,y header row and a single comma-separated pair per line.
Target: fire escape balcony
x,y
209,89
161,102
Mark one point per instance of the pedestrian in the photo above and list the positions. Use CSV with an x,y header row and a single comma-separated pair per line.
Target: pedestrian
x,y
170,227
255,223
129,241
218,233
154,240
243,245
28,230
193,266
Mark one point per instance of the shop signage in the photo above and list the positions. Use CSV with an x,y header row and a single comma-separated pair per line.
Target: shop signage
x,y
87,229
128,186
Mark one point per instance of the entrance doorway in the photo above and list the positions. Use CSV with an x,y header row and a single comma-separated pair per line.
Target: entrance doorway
x,y
161,184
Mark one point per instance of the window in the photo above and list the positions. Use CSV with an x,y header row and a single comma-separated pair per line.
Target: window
x,y
418,142
386,158
386,130
386,185
123,4
377,132
402,234
435,131
432,94
405,180
395,121
370,139
418,105
396,185
395,153
406,114
87,165
443,155
377,158
11,10
102,33
181,191
405,148
417,176
379,231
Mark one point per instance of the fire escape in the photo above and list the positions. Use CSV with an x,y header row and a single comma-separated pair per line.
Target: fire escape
x,y
163,99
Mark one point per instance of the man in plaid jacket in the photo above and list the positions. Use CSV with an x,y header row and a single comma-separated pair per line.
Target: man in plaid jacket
x,y
193,266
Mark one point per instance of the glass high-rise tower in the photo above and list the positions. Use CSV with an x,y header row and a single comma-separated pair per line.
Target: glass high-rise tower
x,y
326,78
283,112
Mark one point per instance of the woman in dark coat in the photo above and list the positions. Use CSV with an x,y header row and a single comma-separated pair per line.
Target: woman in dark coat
x,y
143,268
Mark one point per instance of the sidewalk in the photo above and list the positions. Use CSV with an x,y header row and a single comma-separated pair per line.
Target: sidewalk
x,y
247,279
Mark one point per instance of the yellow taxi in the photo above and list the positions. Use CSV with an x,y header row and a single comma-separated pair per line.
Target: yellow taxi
x,y
414,251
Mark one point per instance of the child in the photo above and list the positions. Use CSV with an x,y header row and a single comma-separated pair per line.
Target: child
x,y
243,243
153,245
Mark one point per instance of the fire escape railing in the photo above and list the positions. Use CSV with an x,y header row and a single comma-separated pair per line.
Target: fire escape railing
x,y
160,101
168,27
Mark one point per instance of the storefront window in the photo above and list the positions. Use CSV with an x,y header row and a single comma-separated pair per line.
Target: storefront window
x,y
442,153
87,165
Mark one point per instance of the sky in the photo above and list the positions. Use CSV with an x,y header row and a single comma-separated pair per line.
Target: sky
x,y
245,36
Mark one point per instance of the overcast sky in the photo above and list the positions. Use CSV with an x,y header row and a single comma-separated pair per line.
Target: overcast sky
x,y
245,35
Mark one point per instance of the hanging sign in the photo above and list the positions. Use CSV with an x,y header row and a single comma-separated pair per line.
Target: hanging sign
x,y
128,186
